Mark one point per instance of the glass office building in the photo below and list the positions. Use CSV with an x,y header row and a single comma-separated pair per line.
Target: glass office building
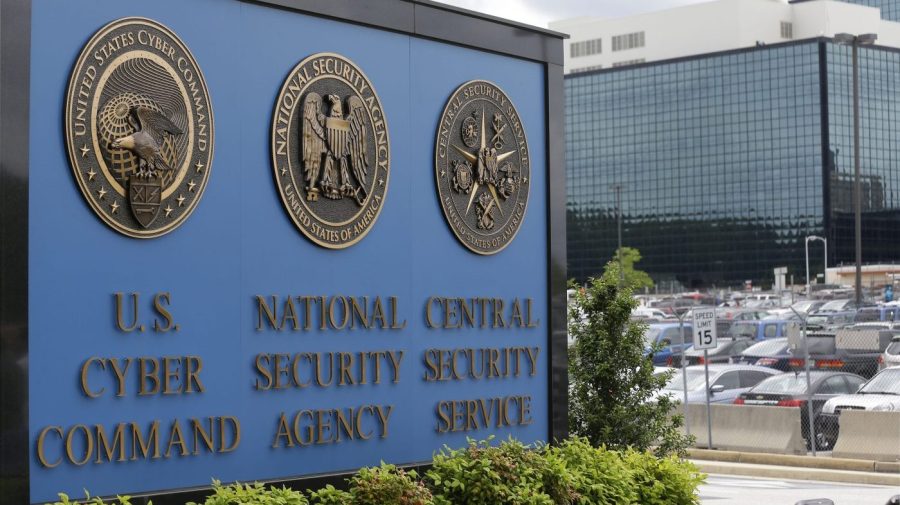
x,y
725,162
890,9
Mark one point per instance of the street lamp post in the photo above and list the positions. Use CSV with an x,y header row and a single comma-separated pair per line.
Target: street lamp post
x,y
855,41
618,190
809,239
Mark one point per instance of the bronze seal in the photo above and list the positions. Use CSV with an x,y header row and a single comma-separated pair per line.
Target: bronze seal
x,y
330,150
482,167
139,127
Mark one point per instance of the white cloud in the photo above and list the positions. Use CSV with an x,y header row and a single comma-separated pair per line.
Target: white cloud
x,y
541,12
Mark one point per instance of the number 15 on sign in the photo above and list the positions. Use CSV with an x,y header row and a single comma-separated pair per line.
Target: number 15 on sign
x,y
705,328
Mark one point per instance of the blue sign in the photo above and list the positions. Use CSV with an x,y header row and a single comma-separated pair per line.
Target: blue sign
x,y
233,347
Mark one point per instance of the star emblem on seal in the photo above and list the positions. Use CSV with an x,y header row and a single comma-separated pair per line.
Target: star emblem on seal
x,y
482,167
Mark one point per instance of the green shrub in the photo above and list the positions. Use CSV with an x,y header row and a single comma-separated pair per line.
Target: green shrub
x,y
597,476
253,494
388,484
663,481
571,473
88,500
484,474
329,495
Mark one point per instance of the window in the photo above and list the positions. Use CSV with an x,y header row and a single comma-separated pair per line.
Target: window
x,y
585,48
627,41
771,331
729,380
834,386
628,62
750,378
787,30
585,69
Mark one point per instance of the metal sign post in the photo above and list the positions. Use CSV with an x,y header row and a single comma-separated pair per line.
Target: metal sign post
x,y
704,333
809,394
687,425
708,409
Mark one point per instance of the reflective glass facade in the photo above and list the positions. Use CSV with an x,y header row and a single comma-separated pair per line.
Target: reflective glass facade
x,y
725,162
890,9
879,77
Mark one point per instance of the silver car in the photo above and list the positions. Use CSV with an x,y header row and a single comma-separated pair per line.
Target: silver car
x,y
726,382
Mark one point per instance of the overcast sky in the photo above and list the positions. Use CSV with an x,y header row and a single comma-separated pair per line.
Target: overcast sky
x,y
541,12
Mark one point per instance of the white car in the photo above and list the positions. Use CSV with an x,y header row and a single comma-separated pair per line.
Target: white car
x,y
891,356
649,313
880,393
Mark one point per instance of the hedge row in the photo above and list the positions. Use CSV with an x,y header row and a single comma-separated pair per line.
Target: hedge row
x,y
510,473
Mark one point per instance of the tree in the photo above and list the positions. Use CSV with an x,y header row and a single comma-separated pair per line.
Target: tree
x,y
612,399
635,279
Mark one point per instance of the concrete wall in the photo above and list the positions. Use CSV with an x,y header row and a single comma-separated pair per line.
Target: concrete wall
x,y
868,435
749,429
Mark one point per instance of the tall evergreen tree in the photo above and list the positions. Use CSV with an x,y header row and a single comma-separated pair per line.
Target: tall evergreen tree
x,y
612,399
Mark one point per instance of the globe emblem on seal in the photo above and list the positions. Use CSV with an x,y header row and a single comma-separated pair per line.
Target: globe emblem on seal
x,y
115,122
139,127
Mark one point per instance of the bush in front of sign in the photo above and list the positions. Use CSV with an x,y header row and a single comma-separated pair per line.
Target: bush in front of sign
x,y
330,495
663,481
252,494
88,500
595,475
483,473
613,398
388,484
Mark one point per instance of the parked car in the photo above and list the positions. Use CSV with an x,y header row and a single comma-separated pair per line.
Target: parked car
x,y
726,352
854,350
803,307
773,353
839,305
843,305
647,313
740,314
667,337
789,390
882,313
830,320
758,330
880,393
891,355
726,382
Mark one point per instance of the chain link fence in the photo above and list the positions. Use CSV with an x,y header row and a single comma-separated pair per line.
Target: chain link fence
x,y
824,393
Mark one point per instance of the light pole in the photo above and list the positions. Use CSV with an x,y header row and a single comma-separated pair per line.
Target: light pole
x,y
825,243
865,39
618,190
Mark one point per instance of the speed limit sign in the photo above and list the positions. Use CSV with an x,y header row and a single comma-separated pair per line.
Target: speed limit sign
x,y
705,328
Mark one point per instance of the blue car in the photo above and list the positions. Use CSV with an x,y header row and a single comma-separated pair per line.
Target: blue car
x,y
887,313
759,330
666,335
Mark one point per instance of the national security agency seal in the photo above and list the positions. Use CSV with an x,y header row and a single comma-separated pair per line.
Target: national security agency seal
x,y
482,167
330,150
139,127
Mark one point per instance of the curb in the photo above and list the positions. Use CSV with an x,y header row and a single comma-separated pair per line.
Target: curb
x,y
807,462
797,473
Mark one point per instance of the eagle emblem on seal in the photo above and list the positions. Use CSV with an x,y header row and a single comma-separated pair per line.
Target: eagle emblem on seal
x,y
333,147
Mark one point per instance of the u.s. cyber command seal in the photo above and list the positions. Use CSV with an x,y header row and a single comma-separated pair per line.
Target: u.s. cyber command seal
x,y
482,167
139,127
330,150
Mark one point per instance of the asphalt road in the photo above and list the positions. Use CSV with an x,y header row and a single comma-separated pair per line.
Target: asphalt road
x,y
737,490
